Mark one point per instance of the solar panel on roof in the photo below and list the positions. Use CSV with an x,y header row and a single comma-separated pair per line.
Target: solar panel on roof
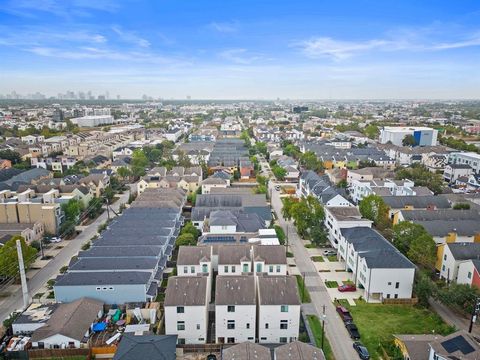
x,y
458,343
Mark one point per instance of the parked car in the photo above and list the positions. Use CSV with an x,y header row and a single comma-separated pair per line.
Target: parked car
x,y
344,314
55,239
353,331
361,350
329,253
347,287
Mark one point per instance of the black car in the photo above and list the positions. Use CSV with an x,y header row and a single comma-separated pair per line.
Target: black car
x,y
353,331
361,350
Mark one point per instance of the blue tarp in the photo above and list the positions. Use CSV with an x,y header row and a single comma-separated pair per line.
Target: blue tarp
x,y
99,326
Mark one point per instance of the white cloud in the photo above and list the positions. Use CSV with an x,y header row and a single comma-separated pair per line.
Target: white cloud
x,y
404,41
223,27
239,56
131,37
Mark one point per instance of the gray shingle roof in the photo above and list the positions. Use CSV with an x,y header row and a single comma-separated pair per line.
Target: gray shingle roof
x,y
298,350
418,202
192,255
103,278
159,347
278,290
271,254
235,290
246,350
186,291
113,264
464,251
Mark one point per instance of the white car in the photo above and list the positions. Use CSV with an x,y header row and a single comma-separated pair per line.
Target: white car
x,y
55,239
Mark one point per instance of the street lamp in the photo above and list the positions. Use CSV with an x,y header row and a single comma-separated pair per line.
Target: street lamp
x,y
324,321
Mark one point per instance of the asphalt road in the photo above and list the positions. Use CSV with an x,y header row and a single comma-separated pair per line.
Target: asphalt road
x,y
337,335
51,270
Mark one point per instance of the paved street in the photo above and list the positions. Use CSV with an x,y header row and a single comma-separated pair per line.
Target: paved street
x,y
71,248
335,329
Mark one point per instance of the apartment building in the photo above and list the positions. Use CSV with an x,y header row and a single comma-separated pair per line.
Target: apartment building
x,y
310,183
188,179
278,309
453,256
186,309
235,309
466,158
377,266
423,136
340,217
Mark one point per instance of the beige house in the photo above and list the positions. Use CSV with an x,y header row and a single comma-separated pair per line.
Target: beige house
x,y
96,182
26,212
188,179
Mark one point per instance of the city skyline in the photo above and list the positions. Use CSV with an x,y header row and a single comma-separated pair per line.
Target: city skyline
x,y
266,50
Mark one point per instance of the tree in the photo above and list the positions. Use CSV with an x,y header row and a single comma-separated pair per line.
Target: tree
x,y
139,163
124,172
11,155
371,131
186,239
94,208
372,207
404,233
459,296
409,140
421,176
310,161
424,288
288,203
261,148
9,259
423,251
279,172
67,228
72,210
189,228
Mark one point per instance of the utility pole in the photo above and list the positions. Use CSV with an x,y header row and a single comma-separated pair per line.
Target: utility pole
x,y
324,316
108,208
286,248
23,278
304,286
475,311
41,247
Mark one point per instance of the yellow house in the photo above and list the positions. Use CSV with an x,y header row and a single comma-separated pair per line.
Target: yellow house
x,y
415,347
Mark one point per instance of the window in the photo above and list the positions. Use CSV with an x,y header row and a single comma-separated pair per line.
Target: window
x,y
263,338
250,338
388,296
192,269
231,340
284,308
266,325
185,270
198,326
234,268
397,285
180,309
443,268
395,296
389,283
284,324
204,268
225,269
245,267
180,341
231,308
230,324
469,275
98,288
278,268
180,325
445,257
248,325
259,267
270,268
283,339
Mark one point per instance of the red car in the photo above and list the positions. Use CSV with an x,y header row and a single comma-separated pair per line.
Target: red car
x,y
347,287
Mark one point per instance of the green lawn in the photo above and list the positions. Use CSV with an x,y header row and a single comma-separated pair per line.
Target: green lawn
x,y
311,246
318,258
331,284
332,258
302,290
316,327
377,323
289,254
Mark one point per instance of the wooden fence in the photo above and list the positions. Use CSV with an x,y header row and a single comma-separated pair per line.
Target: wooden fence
x,y
201,348
412,301
57,353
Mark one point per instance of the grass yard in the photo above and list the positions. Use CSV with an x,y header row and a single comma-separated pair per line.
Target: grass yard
x,y
377,323
302,290
311,246
316,327
289,254
332,258
331,284
318,258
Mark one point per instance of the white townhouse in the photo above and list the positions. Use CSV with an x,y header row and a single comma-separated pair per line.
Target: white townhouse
x,y
235,309
452,257
339,217
377,266
194,261
466,158
278,309
186,309
362,188
234,259
269,259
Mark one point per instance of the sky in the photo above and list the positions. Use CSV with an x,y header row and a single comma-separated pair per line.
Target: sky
x,y
242,49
